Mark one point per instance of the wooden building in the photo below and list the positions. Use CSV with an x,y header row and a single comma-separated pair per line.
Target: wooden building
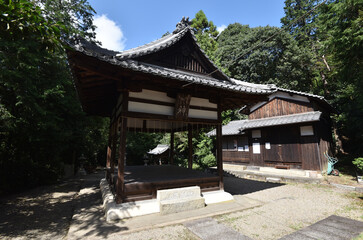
x,y
290,130
167,85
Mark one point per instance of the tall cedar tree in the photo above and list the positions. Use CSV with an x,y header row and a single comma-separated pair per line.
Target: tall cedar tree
x,y
42,124
333,35
254,55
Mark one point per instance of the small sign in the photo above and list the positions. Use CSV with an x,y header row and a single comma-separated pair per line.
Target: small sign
x,y
240,149
246,148
267,145
256,148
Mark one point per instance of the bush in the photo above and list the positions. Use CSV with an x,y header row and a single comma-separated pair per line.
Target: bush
x,y
359,163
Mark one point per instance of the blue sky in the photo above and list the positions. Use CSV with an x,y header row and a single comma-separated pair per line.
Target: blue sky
x,y
127,24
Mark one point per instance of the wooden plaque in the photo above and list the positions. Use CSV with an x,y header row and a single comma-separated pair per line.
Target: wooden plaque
x,y
182,106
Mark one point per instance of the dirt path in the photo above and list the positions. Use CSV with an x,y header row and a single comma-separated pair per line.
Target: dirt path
x,y
41,213
47,212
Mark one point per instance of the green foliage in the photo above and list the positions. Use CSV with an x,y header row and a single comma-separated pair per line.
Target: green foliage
x,y
206,33
301,26
42,124
334,37
138,144
359,163
231,115
203,151
203,148
277,60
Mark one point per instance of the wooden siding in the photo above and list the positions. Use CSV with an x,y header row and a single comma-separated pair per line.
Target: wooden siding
x,y
284,142
184,62
279,107
236,156
287,147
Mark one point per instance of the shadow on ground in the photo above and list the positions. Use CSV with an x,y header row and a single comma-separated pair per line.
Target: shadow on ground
x,y
74,209
43,212
88,219
46,212
240,186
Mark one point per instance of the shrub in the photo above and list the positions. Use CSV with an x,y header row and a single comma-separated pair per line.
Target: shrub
x,y
359,163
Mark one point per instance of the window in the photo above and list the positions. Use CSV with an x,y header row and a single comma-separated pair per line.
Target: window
x,y
242,144
256,133
235,144
307,131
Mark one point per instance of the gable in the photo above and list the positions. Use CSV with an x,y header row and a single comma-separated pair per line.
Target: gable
x,y
279,107
184,55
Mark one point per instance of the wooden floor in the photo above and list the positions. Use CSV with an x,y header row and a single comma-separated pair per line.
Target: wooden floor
x,y
142,182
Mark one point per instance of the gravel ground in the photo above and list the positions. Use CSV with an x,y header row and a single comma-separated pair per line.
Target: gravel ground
x,y
176,232
46,212
41,213
289,208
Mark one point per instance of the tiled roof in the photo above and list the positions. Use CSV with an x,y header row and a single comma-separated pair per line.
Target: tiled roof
x,y
232,128
300,93
189,77
152,47
236,127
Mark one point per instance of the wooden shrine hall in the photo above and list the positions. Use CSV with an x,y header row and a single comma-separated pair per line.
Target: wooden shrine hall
x,y
168,85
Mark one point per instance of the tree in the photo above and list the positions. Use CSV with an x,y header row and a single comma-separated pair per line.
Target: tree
x,y
341,21
206,33
333,34
298,22
42,124
264,55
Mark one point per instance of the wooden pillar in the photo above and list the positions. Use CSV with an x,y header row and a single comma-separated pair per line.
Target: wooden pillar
x,y
109,147
172,146
219,149
120,185
219,155
190,146
108,154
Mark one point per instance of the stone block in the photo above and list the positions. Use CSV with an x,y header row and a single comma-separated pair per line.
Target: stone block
x,y
180,199
176,205
273,180
178,193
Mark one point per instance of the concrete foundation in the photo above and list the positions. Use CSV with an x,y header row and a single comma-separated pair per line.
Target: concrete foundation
x,y
168,201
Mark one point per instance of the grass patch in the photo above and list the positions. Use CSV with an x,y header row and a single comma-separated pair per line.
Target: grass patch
x,y
360,237
297,226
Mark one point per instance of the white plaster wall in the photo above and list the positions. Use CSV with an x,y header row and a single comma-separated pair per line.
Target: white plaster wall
x,y
152,95
150,108
195,113
202,102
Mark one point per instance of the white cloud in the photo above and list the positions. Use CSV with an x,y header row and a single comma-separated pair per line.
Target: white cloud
x,y
221,28
109,33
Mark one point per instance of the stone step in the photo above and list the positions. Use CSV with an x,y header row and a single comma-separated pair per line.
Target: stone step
x,y
179,199
210,229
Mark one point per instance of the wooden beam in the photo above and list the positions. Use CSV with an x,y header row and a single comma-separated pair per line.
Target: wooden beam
x,y
190,146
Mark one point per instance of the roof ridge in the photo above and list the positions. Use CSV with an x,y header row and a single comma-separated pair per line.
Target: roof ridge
x,y
300,92
142,50
256,85
288,115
